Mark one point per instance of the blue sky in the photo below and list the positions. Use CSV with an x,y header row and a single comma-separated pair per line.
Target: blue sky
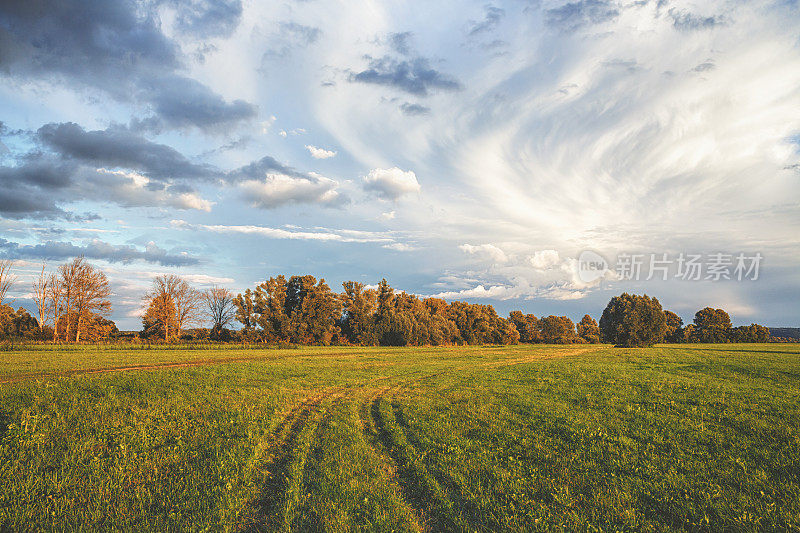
x,y
470,150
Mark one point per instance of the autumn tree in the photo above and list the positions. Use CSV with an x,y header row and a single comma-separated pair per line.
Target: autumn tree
x,y
527,326
588,330
712,325
557,330
172,306
751,333
92,292
630,320
674,330
357,321
78,293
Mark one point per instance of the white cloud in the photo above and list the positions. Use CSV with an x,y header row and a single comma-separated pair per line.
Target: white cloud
x,y
489,251
319,153
280,233
280,189
132,189
391,183
544,259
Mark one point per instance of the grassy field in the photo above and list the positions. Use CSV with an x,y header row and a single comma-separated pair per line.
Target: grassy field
x,y
520,438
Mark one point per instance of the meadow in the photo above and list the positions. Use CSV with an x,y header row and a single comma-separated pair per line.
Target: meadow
x,y
493,438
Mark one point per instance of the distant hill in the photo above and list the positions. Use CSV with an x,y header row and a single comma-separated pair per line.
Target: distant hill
x,y
786,333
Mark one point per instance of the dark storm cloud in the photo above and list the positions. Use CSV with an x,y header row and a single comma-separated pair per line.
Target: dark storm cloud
x,y
573,15
413,76
490,20
96,249
686,21
118,47
117,146
181,102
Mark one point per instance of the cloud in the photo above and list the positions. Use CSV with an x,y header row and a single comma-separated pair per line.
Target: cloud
x,y
117,146
414,76
276,190
686,21
491,19
289,234
119,48
414,110
96,249
181,102
489,251
544,259
319,153
573,15
399,42
290,36
206,18
391,183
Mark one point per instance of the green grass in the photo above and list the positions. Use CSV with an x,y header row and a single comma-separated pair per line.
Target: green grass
x,y
522,438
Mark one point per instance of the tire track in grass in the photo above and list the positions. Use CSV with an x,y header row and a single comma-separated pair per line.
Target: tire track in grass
x,y
373,438
419,488
279,477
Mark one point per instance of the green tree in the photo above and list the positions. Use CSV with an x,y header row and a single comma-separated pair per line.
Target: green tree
x,y
630,320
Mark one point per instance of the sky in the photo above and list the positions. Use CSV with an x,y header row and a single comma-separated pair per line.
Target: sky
x,y
469,150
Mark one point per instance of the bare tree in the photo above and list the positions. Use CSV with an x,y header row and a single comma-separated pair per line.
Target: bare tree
x,y
7,278
172,305
219,306
188,306
55,300
41,290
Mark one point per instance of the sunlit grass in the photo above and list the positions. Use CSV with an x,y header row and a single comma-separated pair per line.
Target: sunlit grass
x,y
466,438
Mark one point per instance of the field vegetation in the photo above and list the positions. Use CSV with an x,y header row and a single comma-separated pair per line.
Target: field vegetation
x,y
470,438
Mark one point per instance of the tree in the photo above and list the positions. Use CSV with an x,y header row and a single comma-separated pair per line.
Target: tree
x,y
92,291
16,324
557,330
588,330
630,320
358,316
712,325
55,297
527,326
172,306
41,290
674,331
751,333
7,278
159,320
220,308
245,310
76,293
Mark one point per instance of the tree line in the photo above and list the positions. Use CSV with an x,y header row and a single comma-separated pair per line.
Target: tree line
x,y
73,301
